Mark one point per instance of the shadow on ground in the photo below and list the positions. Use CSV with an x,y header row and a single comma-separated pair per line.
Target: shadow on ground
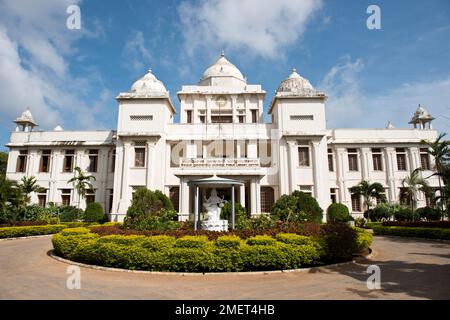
x,y
423,275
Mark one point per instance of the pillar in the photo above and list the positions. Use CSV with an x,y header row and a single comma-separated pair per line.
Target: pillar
x,y
242,195
253,196
124,201
150,164
292,156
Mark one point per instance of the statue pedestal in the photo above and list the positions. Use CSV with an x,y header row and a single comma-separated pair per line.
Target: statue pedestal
x,y
215,225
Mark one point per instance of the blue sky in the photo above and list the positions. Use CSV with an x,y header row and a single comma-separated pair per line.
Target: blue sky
x,y
70,77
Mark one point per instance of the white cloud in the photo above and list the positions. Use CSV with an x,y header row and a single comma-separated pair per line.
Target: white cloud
x,y
34,71
135,53
349,106
262,27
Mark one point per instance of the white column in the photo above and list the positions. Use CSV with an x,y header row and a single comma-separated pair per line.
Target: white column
x,y
390,173
344,196
124,201
320,172
150,164
365,163
208,109
258,195
292,155
242,195
252,196
414,158
118,175
184,197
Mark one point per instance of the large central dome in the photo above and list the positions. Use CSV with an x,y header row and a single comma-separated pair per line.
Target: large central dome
x,y
221,70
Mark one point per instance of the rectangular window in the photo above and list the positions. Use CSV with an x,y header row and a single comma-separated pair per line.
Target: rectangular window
x,y
425,159
65,197
90,196
222,119
21,165
42,197
254,116
333,195
405,198
356,203
68,160
353,159
307,190
265,153
241,119
44,166
330,160
141,118
377,159
302,118
401,159
189,116
202,119
93,160
303,156
139,157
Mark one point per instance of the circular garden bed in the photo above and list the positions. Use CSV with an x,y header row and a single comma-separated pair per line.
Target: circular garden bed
x,y
218,252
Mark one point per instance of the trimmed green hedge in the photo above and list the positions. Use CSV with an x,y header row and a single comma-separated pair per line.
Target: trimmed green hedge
x,y
414,232
192,253
16,232
364,239
70,228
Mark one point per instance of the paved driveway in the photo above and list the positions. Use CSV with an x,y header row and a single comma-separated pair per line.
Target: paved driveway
x,y
410,269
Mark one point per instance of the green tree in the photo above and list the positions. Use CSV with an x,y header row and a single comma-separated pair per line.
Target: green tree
x,y
412,185
440,151
6,189
369,191
3,161
82,183
28,185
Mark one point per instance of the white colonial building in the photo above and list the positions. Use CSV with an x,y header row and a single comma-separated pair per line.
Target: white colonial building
x,y
221,133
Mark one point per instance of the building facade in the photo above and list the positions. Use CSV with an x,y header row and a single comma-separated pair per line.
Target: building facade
x,y
221,133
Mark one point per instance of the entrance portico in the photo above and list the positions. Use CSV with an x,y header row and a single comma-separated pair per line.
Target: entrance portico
x,y
246,192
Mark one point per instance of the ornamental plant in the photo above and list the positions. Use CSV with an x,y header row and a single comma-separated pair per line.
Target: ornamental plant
x,y
94,213
338,212
298,207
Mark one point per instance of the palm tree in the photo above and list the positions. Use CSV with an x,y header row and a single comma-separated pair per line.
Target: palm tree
x,y
414,183
28,185
368,191
82,183
440,150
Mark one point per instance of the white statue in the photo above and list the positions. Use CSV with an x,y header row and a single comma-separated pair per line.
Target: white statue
x,y
213,206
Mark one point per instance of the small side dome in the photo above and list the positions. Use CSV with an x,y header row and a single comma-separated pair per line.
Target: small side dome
x,y
148,84
58,128
222,68
421,118
296,84
26,121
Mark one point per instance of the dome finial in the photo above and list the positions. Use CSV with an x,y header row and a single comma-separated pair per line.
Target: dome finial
x,y
150,70
222,53
294,70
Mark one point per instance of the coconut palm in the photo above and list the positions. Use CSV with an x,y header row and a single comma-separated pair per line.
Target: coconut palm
x,y
440,151
413,184
368,191
28,185
82,182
